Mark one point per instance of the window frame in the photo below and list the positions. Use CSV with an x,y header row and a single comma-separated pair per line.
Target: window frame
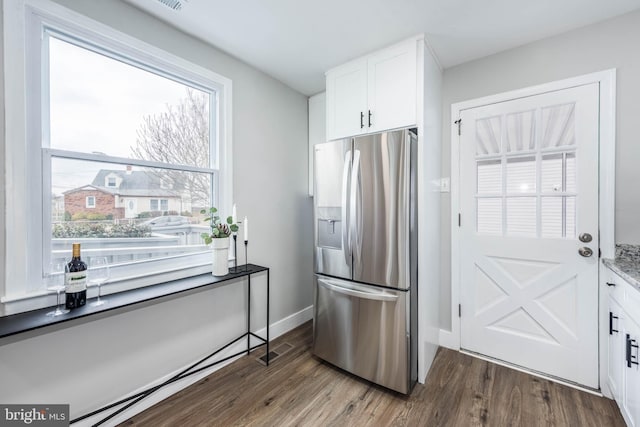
x,y
90,205
25,120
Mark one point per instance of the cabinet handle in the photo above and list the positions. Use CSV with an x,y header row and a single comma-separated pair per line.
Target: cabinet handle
x,y
361,119
610,284
369,118
611,330
631,359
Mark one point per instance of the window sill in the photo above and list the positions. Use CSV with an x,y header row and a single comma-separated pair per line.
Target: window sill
x,y
28,321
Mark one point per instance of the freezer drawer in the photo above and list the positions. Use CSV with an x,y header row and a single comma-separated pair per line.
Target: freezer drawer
x,y
364,330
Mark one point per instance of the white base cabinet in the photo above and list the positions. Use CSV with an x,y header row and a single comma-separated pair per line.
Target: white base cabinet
x,y
624,339
616,347
631,374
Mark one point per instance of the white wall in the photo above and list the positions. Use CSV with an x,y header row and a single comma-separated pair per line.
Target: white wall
x,y
113,354
610,44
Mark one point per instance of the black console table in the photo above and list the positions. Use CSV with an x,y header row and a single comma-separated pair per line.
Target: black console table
x,y
31,320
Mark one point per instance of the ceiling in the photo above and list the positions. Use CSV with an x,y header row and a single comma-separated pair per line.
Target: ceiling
x,y
297,41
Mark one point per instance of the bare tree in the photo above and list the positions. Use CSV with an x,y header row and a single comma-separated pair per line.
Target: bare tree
x,y
179,136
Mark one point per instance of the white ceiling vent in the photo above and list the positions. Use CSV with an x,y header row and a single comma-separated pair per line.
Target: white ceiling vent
x,y
173,4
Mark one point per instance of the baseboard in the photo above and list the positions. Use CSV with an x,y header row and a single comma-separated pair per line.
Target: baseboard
x,y
276,329
449,340
288,323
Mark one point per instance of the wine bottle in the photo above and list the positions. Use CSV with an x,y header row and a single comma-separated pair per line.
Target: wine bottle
x,y
75,288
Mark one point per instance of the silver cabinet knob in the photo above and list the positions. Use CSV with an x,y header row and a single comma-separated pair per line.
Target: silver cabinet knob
x,y
585,252
585,237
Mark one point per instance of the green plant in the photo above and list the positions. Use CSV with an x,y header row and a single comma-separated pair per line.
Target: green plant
x,y
219,229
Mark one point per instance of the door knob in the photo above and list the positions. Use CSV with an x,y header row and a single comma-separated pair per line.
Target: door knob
x,y
585,237
585,252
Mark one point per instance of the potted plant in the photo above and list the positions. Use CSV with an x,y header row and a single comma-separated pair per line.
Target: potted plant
x,y
218,238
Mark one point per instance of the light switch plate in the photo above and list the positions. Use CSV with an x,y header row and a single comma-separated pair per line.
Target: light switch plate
x,y
445,185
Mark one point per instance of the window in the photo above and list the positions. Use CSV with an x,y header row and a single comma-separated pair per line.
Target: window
x,y
526,183
159,205
119,116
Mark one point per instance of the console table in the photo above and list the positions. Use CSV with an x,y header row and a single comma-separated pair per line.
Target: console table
x,y
31,320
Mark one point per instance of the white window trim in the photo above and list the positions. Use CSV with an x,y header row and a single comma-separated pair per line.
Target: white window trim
x,y
25,231
90,205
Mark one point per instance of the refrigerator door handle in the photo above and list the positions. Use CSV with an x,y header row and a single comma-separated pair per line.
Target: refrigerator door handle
x,y
377,296
354,224
346,246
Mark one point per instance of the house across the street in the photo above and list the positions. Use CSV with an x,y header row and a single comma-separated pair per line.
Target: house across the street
x,y
119,194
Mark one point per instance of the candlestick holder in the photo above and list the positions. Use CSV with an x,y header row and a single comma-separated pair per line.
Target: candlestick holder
x,y
234,269
246,255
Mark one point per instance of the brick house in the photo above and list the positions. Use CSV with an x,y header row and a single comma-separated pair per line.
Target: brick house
x,y
125,194
91,200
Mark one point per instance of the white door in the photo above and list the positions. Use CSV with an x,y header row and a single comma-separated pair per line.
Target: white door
x,y
131,208
347,100
528,190
631,377
391,95
616,347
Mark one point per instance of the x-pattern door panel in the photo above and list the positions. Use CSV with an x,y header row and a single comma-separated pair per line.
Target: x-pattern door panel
x,y
528,188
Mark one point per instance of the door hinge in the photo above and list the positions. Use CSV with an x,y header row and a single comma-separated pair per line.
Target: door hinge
x,y
459,220
459,123
459,310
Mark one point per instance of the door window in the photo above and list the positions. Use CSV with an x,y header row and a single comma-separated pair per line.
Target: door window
x,y
526,173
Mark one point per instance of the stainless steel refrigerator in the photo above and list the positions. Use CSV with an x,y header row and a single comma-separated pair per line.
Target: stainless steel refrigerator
x,y
365,288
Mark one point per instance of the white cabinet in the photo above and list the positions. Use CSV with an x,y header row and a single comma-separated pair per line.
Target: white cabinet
x,y
631,373
615,349
374,93
317,129
624,338
346,99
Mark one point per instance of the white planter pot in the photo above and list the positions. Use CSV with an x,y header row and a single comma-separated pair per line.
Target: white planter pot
x,y
220,260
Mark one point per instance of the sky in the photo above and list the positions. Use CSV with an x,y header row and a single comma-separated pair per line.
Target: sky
x,y
97,104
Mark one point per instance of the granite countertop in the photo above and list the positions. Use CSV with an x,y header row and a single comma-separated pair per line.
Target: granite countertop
x,y
626,263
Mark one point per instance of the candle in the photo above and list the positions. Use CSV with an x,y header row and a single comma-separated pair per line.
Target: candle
x,y
234,216
246,229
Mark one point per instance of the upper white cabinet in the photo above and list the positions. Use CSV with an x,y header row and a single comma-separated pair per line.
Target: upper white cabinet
x,y
346,99
374,93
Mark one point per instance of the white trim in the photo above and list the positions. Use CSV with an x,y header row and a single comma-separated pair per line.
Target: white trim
x,y
103,158
90,205
21,106
449,340
607,81
276,329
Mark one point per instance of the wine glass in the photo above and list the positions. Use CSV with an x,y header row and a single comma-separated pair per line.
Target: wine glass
x,y
98,274
55,283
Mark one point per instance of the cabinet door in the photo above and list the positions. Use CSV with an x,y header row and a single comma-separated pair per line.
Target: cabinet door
x,y
616,349
347,100
392,97
631,374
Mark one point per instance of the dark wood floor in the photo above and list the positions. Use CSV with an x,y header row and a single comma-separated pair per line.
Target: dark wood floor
x,y
299,390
